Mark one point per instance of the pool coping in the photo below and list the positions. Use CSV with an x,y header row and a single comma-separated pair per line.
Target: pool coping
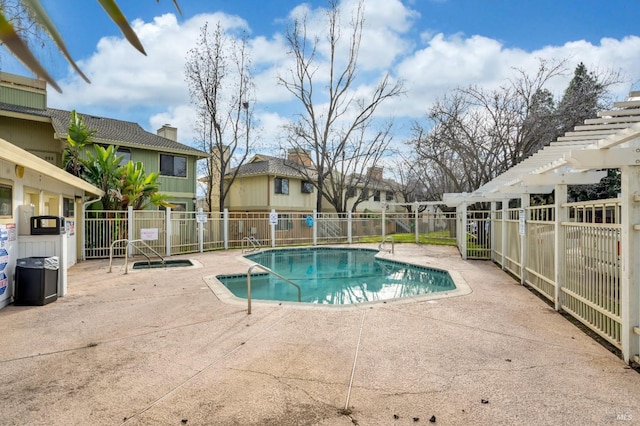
x,y
226,296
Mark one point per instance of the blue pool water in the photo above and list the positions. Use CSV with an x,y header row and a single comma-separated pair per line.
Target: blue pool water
x,y
336,276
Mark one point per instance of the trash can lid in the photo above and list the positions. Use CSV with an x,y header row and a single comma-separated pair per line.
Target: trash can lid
x,y
39,262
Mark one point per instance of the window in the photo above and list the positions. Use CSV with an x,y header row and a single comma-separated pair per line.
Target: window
x,y
351,192
6,201
390,196
125,154
282,186
307,187
173,165
365,194
284,222
376,195
68,207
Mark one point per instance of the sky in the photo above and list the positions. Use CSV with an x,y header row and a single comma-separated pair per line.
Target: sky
x,y
433,46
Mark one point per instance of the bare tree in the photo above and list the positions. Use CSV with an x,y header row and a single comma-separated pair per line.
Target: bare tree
x,y
221,88
337,123
474,134
353,169
410,186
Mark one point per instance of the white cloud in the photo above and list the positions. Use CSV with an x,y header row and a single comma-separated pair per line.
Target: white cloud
x,y
151,90
450,62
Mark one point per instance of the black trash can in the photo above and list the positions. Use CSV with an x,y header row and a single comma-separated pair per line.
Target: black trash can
x,y
36,281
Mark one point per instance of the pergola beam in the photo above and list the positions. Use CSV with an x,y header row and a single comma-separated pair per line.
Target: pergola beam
x,y
575,178
604,158
526,189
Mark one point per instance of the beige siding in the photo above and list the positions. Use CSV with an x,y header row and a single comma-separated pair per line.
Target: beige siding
x,y
36,138
23,91
249,193
257,193
168,184
295,200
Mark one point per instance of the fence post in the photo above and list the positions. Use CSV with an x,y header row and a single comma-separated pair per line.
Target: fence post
x,y
130,231
462,214
273,227
167,240
225,231
201,233
350,227
315,227
630,258
560,198
415,221
383,227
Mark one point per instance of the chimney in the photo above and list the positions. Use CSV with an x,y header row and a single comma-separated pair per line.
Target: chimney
x,y
169,132
299,156
375,173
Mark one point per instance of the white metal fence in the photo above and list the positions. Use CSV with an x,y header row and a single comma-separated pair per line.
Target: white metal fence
x,y
582,280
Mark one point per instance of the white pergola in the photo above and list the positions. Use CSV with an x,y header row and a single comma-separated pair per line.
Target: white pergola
x,y
610,141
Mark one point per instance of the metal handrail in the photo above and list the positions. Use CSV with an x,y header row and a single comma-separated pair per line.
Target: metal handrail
x,y
126,257
253,241
388,237
269,271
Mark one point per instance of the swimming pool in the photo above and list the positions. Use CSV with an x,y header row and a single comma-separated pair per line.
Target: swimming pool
x,y
336,276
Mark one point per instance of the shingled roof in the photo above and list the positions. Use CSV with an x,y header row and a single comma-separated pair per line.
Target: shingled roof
x,y
122,133
108,130
267,165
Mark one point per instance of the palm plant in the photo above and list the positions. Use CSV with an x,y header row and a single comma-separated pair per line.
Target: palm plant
x,y
103,170
123,185
78,138
17,46
139,190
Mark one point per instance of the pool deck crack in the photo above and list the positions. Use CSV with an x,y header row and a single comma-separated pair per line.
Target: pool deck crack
x,y
355,361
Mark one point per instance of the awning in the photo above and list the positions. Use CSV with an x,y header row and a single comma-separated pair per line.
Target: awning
x,y
19,156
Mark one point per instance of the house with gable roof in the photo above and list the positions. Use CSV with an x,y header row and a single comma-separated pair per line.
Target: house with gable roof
x,y
267,182
27,122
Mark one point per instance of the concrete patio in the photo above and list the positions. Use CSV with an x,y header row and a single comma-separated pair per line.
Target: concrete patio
x,y
159,347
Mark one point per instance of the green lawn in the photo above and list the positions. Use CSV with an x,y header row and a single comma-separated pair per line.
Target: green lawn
x,y
441,238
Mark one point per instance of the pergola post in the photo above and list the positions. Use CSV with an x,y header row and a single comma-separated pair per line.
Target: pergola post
x,y
560,245
630,259
505,212
525,202
492,234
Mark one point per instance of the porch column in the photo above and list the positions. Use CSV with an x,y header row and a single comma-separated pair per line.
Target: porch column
x,y
560,243
630,268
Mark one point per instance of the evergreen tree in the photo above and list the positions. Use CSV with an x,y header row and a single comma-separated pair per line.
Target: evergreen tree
x,y
581,99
